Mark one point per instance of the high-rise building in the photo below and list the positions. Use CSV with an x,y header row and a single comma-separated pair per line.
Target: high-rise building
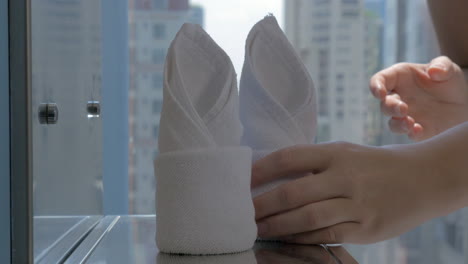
x,y
373,33
329,36
377,7
420,37
153,25
178,5
409,34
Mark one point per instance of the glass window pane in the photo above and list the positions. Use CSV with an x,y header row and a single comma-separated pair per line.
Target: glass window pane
x,y
341,42
159,31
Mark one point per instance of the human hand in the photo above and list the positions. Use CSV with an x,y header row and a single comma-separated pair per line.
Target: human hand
x,y
356,194
422,100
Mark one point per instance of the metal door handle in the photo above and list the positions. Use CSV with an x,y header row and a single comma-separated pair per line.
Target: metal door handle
x,y
93,108
48,113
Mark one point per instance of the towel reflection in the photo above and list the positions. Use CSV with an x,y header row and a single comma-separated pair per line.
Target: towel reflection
x,y
268,253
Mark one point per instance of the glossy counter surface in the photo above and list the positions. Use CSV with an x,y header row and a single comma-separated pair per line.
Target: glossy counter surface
x,y
56,237
131,239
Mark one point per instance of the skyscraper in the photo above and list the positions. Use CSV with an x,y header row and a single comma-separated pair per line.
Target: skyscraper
x,y
329,36
153,25
373,33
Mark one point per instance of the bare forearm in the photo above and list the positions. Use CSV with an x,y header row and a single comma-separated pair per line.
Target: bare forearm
x,y
451,25
449,157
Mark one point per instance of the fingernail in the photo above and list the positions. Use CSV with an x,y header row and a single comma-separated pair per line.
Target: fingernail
x,y
378,89
438,75
439,66
262,228
399,109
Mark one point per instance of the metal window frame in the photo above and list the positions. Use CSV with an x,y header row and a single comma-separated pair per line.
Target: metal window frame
x,y
4,137
19,17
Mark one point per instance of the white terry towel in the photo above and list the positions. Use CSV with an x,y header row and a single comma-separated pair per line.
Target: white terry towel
x,y
277,96
203,201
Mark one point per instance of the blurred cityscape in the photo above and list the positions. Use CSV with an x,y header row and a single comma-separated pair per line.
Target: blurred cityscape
x,y
153,25
342,43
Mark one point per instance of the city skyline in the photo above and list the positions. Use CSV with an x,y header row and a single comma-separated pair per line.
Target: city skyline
x,y
153,26
329,37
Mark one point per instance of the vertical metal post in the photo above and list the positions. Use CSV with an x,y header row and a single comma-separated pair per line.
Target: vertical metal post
x,y
4,137
115,105
20,131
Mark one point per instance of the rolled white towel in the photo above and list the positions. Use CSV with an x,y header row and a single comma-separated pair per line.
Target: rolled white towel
x,y
203,201
277,96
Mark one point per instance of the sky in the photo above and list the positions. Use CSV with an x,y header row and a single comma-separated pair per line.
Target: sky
x,y
229,21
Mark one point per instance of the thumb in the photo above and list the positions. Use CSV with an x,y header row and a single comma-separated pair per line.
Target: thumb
x,y
440,69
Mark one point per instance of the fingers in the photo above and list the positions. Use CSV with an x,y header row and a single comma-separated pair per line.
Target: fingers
x,y
408,126
339,233
401,125
417,133
392,105
376,87
385,81
311,217
440,69
292,160
297,193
